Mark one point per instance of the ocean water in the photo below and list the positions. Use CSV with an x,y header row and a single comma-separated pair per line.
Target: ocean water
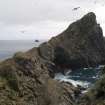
x,y
9,47
85,77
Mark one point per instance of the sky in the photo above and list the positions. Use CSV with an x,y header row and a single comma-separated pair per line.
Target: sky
x,y
42,19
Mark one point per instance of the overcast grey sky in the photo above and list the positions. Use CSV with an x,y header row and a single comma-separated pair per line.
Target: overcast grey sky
x,y
42,19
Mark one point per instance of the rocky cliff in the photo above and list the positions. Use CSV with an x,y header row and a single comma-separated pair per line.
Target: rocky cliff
x,y
27,78
80,45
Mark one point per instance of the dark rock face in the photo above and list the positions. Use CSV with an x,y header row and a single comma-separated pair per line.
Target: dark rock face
x,y
82,44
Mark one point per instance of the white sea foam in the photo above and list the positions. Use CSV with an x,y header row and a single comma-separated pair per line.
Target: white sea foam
x,y
61,78
94,77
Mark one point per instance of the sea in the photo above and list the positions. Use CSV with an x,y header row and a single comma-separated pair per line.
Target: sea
x,y
83,77
9,47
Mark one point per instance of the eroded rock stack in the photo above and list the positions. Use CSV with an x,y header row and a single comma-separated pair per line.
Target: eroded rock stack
x,y
80,45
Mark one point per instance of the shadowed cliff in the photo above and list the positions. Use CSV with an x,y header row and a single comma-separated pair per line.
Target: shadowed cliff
x,y
80,45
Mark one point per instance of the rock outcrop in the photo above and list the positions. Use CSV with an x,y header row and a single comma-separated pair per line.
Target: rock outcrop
x,y
27,78
80,45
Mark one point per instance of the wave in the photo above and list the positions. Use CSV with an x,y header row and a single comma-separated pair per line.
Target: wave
x,y
64,78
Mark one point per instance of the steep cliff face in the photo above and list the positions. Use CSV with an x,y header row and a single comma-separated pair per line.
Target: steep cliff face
x,y
25,80
81,44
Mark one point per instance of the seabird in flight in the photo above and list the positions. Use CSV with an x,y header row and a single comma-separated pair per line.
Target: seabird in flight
x,y
76,8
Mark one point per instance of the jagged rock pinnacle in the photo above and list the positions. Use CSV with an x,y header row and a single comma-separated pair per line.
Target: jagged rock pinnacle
x,y
80,45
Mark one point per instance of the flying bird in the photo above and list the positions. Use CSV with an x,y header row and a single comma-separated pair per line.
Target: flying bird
x,y
76,8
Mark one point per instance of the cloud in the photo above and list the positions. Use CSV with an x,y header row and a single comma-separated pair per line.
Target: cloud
x,y
43,18
27,11
39,30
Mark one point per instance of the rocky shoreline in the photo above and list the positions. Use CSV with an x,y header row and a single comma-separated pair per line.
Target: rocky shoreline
x,y
28,78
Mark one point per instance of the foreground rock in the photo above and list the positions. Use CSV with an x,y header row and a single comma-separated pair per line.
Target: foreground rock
x,y
80,45
25,80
